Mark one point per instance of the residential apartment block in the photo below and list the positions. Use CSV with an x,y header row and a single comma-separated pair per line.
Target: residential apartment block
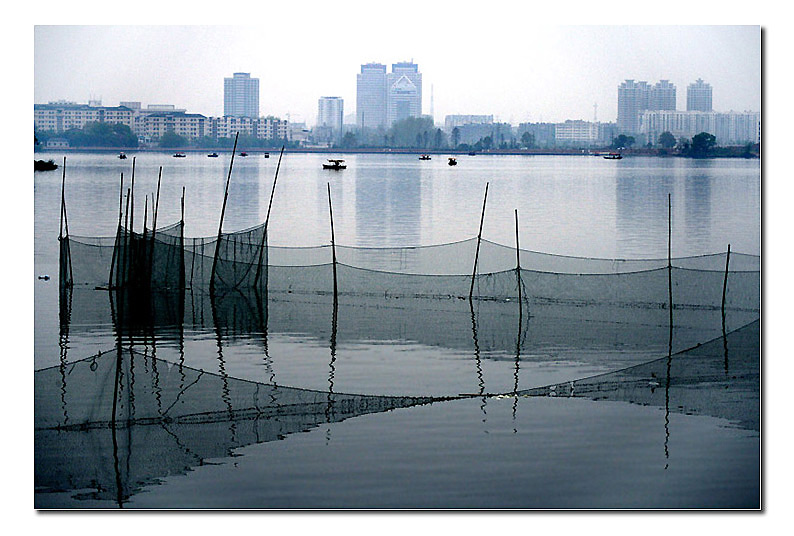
x,y
62,115
731,128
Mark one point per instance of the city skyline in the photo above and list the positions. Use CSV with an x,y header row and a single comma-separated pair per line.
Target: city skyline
x,y
581,66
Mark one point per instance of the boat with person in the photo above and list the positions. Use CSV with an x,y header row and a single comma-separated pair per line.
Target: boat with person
x,y
212,155
267,155
122,156
424,157
179,155
452,161
335,163
243,154
613,156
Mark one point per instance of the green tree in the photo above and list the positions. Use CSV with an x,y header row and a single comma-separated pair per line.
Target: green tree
x,y
348,141
702,144
455,137
172,140
411,131
666,140
528,140
623,141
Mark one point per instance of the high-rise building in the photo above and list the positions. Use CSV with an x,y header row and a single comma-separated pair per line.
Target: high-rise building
x,y
404,93
698,97
330,114
371,96
633,98
662,96
241,96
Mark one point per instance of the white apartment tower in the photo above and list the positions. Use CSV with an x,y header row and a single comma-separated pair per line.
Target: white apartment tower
x,y
371,96
404,92
241,96
698,97
330,114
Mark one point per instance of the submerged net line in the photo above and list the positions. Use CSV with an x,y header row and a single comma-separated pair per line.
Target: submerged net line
x,y
146,390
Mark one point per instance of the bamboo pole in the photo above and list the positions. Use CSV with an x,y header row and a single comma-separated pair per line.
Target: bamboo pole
x,y
223,211
725,286
479,239
63,199
267,220
333,241
518,264
113,259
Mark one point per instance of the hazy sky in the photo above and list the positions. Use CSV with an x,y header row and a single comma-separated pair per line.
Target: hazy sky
x,y
476,61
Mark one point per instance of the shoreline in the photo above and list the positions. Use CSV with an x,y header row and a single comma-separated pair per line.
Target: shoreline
x,y
380,150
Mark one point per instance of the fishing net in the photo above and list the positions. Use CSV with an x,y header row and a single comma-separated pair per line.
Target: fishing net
x,y
112,423
720,378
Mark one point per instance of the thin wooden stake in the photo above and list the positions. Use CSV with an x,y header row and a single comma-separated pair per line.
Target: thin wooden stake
x,y
223,211
333,241
479,239
518,264
725,287
267,221
63,200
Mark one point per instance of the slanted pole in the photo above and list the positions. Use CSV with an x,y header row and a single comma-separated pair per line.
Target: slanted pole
x,y
267,221
725,287
223,211
518,264
113,259
63,200
333,241
670,261
479,239
132,197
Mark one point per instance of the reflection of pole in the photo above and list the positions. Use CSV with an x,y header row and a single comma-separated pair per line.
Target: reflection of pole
x,y
223,211
670,338
479,238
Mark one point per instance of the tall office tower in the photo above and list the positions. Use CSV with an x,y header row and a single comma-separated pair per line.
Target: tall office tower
x,y
241,96
698,97
330,114
371,96
633,98
662,96
404,92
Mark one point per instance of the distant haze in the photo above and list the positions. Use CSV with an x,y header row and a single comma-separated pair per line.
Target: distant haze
x,y
473,64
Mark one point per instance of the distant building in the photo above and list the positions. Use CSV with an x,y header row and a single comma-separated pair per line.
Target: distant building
x,y
404,93
241,96
576,133
383,98
662,96
61,116
732,128
57,143
263,128
544,133
330,117
498,132
151,127
698,97
452,121
633,98
371,96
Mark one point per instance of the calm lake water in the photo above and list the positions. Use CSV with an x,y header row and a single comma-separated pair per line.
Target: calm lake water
x,y
484,452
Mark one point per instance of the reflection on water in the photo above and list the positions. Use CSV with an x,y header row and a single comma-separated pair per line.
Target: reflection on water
x,y
149,391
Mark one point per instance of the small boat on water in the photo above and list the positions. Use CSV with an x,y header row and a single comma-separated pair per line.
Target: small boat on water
x,y
424,157
212,155
179,155
267,155
472,153
44,165
452,161
613,156
335,164
243,154
122,156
